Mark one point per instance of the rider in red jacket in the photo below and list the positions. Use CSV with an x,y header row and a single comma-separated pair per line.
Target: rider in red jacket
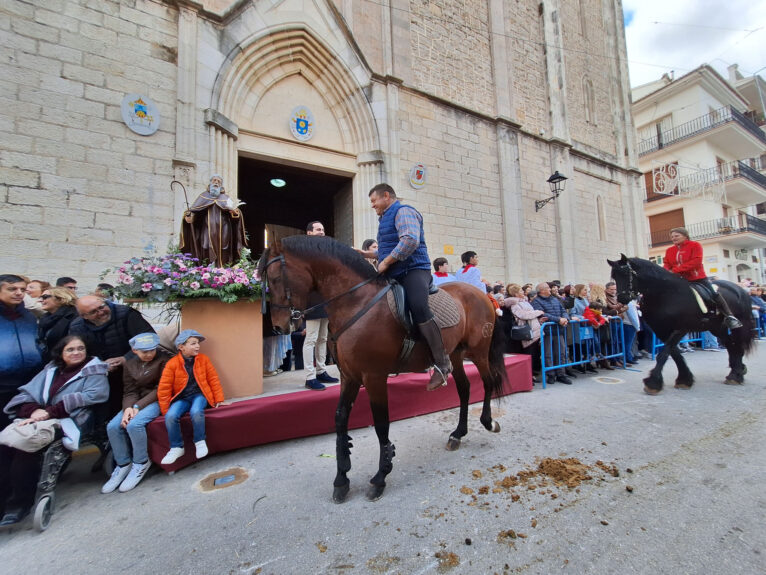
x,y
684,258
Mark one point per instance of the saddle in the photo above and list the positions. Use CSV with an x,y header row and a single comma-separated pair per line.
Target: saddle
x,y
444,307
705,297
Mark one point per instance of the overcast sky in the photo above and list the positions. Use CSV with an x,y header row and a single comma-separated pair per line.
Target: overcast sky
x,y
680,35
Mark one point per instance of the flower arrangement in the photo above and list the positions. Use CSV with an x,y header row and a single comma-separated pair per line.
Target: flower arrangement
x,y
177,276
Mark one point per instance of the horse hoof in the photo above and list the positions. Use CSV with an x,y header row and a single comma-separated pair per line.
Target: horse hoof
x,y
339,493
682,386
453,443
649,391
495,427
729,381
375,492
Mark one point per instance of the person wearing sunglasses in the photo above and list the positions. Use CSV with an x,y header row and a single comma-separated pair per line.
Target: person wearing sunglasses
x,y
59,306
107,328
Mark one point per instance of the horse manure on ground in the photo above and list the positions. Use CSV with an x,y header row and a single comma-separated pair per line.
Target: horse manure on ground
x,y
447,560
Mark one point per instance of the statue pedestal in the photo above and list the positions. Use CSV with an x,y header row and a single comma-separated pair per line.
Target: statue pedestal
x,y
234,341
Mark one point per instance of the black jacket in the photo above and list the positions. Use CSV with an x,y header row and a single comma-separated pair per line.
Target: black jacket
x,y
52,327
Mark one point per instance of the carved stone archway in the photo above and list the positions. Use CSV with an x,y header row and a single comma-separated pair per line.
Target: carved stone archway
x,y
259,65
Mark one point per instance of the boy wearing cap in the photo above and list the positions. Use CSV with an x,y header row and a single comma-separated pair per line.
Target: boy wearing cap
x,y
188,384
127,430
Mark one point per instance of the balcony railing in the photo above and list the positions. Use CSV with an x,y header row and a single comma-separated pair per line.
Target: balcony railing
x,y
693,184
698,126
714,228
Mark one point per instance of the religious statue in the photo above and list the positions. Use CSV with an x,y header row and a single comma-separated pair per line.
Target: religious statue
x,y
213,228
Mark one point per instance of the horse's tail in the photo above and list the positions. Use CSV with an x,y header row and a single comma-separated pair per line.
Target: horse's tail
x,y
744,337
497,347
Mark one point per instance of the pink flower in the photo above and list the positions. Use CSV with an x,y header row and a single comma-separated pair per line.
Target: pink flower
x,y
194,285
168,282
127,280
147,287
206,276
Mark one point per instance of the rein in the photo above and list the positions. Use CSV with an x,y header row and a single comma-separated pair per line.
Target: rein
x,y
296,314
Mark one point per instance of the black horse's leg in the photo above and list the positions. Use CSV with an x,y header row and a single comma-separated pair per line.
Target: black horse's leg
x,y
736,353
343,444
685,378
376,389
463,391
653,383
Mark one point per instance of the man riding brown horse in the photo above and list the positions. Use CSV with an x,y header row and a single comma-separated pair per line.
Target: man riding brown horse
x,y
402,255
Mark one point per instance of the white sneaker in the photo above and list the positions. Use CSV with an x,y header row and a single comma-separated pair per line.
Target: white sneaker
x,y
201,447
172,455
118,475
137,472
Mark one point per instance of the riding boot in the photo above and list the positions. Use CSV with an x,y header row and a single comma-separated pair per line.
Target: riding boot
x,y
442,365
723,307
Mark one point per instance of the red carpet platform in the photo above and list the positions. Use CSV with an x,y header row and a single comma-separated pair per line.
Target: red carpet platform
x,y
305,413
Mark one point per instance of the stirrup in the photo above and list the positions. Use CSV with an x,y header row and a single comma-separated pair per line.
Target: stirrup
x,y
732,322
434,385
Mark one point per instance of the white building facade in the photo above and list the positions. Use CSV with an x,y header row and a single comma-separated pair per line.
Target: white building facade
x,y
702,150
465,107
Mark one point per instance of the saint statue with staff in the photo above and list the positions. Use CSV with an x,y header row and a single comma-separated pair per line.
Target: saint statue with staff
x,y
213,228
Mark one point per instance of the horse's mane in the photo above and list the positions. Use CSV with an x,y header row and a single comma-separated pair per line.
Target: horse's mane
x,y
649,272
318,247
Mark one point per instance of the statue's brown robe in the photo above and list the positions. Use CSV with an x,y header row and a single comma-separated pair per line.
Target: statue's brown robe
x,y
216,234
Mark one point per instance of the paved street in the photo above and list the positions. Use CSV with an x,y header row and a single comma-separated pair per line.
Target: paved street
x,y
688,495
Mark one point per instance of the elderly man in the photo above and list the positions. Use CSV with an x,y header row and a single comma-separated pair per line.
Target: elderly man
x,y
107,329
554,311
213,229
20,357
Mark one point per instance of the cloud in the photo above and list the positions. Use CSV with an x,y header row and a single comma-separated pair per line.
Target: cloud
x,y
683,34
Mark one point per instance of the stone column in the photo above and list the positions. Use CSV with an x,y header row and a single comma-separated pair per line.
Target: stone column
x,y
554,64
184,166
223,135
371,168
561,160
511,200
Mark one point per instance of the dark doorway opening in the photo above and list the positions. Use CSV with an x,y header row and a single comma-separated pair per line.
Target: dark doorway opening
x,y
285,198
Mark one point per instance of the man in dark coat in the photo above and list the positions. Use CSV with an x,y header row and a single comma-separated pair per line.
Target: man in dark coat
x,y
107,328
20,357
213,229
554,311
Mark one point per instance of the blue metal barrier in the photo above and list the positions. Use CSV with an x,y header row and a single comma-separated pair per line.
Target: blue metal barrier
x,y
578,343
691,337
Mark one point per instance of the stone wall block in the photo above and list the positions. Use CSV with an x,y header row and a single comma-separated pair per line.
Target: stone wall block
x,y
84,75
21,214
17,177
56,20
38,63
59,52
30,162
72,218
92,236
32,29
71,169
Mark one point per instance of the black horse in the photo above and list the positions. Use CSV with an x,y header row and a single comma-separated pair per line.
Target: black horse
x,y
671,309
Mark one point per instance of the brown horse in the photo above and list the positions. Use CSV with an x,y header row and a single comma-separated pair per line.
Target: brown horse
x,y
368,338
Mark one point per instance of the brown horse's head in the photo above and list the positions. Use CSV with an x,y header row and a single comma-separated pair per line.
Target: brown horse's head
x,y
288,286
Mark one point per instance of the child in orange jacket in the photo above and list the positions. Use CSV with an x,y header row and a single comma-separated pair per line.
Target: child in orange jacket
x,y
189,383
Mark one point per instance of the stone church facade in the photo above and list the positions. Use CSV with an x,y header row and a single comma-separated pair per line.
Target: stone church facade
x,y
489,96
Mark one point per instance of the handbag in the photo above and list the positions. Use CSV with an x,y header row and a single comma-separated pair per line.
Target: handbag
x,y
30,437
521,332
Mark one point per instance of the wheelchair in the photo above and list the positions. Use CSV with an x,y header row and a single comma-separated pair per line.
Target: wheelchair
x,y
55,461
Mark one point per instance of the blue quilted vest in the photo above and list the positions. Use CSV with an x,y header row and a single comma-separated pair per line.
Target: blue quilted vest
x,y
388,238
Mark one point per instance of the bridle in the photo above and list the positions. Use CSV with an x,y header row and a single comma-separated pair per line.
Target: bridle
x,y
631,292
296,314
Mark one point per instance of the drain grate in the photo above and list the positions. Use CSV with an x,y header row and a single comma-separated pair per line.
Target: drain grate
x,y
609,380
223,479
